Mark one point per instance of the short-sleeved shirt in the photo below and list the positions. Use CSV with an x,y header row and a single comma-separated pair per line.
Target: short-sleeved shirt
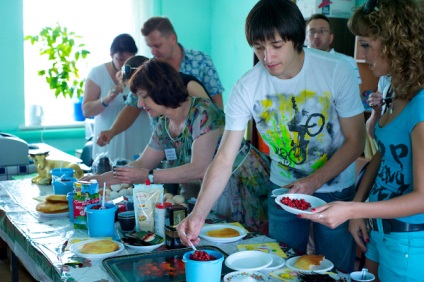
x,y
298,118
351,61
204,116
200,65
395,174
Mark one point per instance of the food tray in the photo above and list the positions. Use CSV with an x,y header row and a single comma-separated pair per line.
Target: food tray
x,y
155,266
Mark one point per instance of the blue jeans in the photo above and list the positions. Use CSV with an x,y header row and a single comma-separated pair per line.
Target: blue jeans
x,y
336,244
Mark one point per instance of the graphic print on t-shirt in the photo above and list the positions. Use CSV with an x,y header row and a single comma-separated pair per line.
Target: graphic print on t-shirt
x,y
298,130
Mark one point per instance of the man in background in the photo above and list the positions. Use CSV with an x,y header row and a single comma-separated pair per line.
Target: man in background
x,y
162,40
319,35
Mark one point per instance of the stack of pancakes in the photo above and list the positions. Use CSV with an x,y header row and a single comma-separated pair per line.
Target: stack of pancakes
x,y
53,204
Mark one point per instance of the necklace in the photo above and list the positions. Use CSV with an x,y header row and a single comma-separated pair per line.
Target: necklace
x,y
114,67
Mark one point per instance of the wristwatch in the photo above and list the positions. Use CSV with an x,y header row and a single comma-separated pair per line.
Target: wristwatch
x,y
151,177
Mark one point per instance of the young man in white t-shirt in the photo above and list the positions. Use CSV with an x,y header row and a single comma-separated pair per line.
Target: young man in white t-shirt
x,y
309,113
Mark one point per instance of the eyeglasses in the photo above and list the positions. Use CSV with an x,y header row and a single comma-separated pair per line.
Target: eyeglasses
x,y
312,32
370,6
127,71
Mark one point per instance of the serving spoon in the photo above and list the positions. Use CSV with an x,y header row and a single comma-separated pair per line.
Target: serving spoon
x,y
191,243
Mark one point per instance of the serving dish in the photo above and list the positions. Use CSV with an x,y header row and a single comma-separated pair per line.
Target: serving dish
x,y
325,266
277,263
142,249
245,276
76,249
249,261
314,201
211,227
154,267
53,215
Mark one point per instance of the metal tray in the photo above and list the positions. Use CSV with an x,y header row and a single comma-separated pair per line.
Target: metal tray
x,y
155,266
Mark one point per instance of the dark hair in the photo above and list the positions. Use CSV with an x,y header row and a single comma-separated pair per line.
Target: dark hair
x,y
161,82
161,24
123,43
398,26
270,16
319,17
133,62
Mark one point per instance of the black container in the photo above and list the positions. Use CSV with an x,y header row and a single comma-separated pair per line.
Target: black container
x,y
104,165
174,215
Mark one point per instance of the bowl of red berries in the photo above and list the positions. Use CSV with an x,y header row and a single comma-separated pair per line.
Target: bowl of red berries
x,y
298,203
203,265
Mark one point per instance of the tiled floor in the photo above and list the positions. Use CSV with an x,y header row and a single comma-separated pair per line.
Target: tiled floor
x,y
5,269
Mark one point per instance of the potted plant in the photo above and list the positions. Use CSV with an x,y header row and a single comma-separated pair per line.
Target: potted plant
x,y
60,47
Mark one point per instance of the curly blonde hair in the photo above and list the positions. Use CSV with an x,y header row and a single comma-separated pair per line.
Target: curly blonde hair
x,y
398,24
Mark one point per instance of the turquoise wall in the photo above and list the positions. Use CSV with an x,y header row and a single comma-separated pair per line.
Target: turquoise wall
x,y
213,26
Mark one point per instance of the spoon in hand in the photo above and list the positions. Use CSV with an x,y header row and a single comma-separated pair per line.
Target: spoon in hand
x,y
191,243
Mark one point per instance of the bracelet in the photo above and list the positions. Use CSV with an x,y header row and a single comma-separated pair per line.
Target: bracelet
x,y
103,102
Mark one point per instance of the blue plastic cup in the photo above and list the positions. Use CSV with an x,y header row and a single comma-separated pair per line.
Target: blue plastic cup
x,y
58,173
70,198
100,223
205,271
64,185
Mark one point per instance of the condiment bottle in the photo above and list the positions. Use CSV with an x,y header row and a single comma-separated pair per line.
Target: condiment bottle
x,y
174,215
160,211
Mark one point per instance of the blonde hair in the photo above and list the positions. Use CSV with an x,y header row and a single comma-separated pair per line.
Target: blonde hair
x,y
398,24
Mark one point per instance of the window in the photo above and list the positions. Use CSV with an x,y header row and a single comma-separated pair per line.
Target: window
x,y
97,21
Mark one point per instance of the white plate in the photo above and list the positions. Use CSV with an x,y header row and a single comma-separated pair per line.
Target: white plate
x,y
144,249
245,276
76,249
277,262
53,215
325,266
248,260
208,228
314,201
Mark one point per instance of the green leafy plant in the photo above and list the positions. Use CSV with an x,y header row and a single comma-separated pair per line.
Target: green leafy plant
x,y
62,50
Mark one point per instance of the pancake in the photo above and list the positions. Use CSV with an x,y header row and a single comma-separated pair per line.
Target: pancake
x,y
223,233
306,262
99,247
51,207
56,198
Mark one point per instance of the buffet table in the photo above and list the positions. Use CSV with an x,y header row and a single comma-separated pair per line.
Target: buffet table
x,y
41,243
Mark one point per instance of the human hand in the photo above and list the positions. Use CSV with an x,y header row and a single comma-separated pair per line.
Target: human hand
x,y
129,174
113,92
190,226
105,137
359,231
332,214
375,100
306,185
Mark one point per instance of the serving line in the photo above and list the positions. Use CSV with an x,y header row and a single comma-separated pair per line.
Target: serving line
x,y
41,242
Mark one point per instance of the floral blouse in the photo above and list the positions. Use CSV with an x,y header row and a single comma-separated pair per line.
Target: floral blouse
x,y
204,116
